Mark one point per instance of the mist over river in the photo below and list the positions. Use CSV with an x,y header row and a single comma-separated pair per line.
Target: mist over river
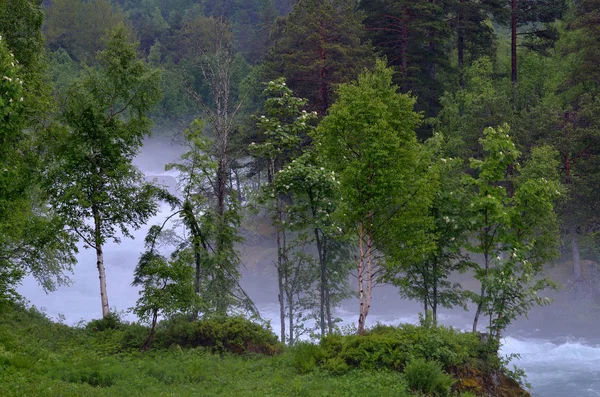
x,y
565,366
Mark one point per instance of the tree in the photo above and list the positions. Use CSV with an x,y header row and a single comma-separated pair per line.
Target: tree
x,y
427,279
413,36
79,26
167,285
210,45
281,129
32,239
91,181
368,139
577,133
475,35
216,272
319,46
466,112
315,197
536,16
515,227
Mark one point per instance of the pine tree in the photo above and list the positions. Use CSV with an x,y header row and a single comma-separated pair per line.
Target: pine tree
x,y
412,35
320,45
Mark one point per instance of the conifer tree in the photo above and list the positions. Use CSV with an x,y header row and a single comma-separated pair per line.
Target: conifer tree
x,y
320,45
412,35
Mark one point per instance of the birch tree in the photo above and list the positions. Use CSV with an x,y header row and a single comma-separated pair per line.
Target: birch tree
x,y
369,140
91,181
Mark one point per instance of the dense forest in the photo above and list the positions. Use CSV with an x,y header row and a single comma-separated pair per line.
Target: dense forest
x,y
403,142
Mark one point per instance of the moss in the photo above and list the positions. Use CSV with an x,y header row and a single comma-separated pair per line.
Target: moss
x,y
492,383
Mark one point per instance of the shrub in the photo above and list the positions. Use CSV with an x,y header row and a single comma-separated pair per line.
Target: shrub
x,y
220,334
336,366
306,357
427,377
133,336
112,321
375,352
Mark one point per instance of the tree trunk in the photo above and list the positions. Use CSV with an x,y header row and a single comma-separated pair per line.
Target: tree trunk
x,y
291,318
460,46
513,43
361,286
100,261
404,50
328,309
434,303
148,341
281,288
370,271
323,283
323,78
577,271
481,294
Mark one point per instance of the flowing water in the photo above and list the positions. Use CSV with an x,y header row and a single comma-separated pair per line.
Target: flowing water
x,y
563,367
555,367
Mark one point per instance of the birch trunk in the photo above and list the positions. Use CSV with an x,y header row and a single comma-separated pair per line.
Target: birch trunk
x,y
100,261
361,287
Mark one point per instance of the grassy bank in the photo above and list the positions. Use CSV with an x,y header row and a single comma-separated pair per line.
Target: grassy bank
x,y
41,358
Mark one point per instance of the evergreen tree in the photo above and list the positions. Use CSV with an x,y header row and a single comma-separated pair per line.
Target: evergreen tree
x,y
80,27
475,37
412,35
533,19
320,45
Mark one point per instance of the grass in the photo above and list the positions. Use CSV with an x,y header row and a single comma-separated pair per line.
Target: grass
x,y
41,358
102,358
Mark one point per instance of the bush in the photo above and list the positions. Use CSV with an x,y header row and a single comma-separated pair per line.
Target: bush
x,y
427,377
392,348
336,366
306,357
219,334
112,321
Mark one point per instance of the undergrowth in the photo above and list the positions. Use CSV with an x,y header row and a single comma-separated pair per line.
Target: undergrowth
x,y
219,357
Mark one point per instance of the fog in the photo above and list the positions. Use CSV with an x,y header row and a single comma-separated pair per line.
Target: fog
x,y
560,354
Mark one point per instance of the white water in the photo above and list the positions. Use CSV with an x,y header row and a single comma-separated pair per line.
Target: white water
x,y
561,368
555,368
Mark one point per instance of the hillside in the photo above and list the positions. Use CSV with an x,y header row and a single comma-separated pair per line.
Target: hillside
x,y
39,357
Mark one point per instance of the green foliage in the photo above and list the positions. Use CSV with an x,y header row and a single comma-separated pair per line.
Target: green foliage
x,y
112,321
90,175
412,35
318,46
515,227
428,278
368,140
167,286
390,348
219,334
81,27
428,378
306,357
32,239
